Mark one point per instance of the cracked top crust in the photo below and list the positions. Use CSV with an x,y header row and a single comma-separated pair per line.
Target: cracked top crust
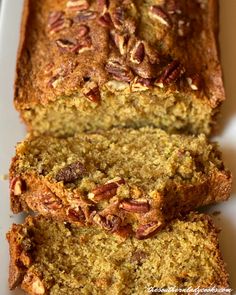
x,y
73,46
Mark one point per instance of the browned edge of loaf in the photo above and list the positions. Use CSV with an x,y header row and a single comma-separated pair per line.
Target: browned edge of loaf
x,y
19,256
218,92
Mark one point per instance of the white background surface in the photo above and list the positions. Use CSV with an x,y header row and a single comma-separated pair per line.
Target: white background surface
x,y
11,130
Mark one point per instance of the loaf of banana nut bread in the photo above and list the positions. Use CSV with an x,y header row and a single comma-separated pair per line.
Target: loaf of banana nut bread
x,y
87,65
124,180
56,258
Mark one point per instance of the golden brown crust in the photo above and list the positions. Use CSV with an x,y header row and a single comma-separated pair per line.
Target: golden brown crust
x,y
197,51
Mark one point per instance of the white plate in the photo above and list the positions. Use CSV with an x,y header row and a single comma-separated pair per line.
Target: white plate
x,y
12,131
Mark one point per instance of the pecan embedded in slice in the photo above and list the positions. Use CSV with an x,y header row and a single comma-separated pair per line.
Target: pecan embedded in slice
x,y
105,20
147,230
57,22
55,81
77,5
17,186
84,16
71,172
109,222
158,13
140,84
50,202
33,284
105,191
135,205
92,92
194,82
171,73
119,71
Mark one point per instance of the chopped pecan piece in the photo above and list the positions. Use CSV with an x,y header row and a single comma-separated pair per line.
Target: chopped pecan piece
x,y
102,5
71,172
92,92
118,17
76,214
50,202
158,13
121,42
105,20
83,45
57,22
65,45
135,205
119,71
84,16
77,5
33,284
17,186
105,191
55,81
140,84
137,53
171,73
82,31
172,7
109,222
194,82
147,230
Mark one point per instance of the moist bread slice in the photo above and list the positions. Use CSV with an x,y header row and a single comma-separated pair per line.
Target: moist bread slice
x,y
56,258
123,180
102,64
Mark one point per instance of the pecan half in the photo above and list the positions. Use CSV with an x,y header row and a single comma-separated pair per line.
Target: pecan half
x,y
171,73
194,82
159,14
105,20
109,222
92,92
71,172
135,205
137,53
77,5
105,191
119,71
57,22
140,84
84,16
147,230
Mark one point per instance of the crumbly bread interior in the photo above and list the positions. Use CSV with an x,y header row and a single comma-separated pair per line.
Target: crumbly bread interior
x,y
171,111
149,158
69,261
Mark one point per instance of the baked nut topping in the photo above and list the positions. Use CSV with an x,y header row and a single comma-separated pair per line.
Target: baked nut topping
x,y
65,44
171,73
105,191
76,214
119,71
16,186
51,202
158,13
121,41
55,81
105,20
147,230
109,222
57,22
135,205
102,5
77,5
140,84
172,7
137,53
70,172
118,17
85,15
